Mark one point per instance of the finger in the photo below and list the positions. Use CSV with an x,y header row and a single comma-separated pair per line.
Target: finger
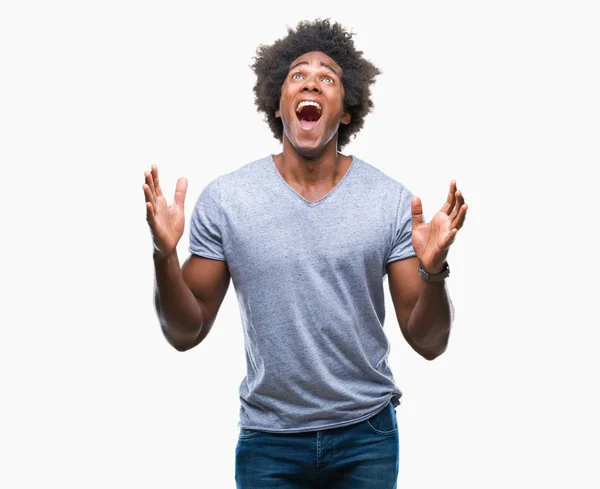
x,y
180,190
460,218
457,205
416,209
150,213
155,180
148,194
150,183
450,200
449,238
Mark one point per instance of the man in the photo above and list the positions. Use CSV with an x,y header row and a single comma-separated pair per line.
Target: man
x,y
307,237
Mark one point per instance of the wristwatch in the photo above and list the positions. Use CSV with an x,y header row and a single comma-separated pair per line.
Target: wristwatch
x,y
434,277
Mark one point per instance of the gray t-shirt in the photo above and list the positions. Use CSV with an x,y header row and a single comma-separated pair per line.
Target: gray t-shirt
x,y
309,282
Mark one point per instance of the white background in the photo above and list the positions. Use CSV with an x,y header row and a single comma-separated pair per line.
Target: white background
x,y
502,96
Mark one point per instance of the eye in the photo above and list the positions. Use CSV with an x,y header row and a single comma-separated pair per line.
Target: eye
x,y
328,79
297,76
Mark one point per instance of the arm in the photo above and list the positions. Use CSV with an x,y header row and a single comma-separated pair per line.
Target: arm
x,y
188,298
424,310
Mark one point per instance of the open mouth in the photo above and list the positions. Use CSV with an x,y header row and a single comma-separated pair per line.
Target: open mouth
x,y
308,113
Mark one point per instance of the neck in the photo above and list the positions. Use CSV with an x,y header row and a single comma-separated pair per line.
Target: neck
x,y
327,167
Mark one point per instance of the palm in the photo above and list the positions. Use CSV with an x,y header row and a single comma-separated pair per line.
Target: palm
x,y
166,221
169,224
432,240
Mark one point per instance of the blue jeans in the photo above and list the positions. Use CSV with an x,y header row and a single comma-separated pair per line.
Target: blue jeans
x,y
364,455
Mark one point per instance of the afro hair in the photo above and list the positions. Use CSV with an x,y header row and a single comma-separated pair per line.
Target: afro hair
x,y
272,62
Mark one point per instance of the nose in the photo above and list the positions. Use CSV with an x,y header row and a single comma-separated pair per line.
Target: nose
x,y
311,85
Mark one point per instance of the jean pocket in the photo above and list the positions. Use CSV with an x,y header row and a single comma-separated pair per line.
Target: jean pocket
x,y
385,421
246,433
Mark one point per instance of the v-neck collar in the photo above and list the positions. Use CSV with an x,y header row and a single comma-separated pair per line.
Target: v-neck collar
x,y
308,202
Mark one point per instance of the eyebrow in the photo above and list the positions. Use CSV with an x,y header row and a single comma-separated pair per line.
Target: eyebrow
x,y
322,64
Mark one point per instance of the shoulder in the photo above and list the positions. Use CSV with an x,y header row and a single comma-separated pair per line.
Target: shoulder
x,y
240,187
246,174
374,179
237,180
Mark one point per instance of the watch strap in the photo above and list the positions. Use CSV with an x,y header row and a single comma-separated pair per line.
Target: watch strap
x,y
434,277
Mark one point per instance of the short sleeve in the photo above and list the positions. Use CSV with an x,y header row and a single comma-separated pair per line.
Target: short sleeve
x,y
402,240
206,224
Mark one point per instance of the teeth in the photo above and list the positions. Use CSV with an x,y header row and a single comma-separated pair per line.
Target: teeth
x,y
304,103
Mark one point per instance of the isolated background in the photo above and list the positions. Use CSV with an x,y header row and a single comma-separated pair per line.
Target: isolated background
x,y
502,96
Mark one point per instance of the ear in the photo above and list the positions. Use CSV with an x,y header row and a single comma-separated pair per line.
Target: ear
x,y
277,113
346,118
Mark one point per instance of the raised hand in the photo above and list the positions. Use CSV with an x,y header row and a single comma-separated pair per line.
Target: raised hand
x,y
166,222
431,241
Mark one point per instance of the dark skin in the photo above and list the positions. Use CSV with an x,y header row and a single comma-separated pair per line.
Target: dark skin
x,y
310,162
188,298
424,310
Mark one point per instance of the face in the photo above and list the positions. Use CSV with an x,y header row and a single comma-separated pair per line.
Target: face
x,y
312,103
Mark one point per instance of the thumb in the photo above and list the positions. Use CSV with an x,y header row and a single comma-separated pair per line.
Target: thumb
x,y
416,209
180,190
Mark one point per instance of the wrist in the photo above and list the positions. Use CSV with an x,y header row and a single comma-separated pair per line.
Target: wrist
x,y
433,269
434,273
158,256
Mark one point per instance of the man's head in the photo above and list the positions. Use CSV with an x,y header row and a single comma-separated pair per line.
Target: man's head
x,y
311,81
